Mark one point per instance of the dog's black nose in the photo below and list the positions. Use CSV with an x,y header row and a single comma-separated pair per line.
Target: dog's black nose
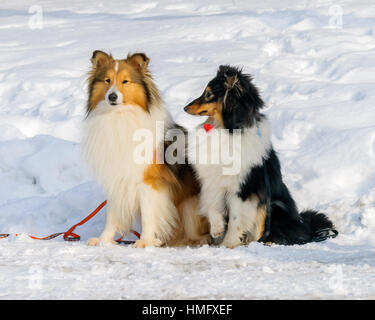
x,y
186,108
112,97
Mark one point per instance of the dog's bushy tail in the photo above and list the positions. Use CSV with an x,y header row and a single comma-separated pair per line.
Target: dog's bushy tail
x,y
309,226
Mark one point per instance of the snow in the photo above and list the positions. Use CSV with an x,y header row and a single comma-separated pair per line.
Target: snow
x,y
314,63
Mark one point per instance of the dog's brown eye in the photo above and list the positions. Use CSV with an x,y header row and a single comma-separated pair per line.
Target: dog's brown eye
x,y
208,96
125,81
108,80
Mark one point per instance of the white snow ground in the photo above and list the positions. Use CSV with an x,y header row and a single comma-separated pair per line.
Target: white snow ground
x,y
314,62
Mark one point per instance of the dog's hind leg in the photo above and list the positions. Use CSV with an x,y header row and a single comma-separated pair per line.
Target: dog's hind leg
x,y
196,229
261,221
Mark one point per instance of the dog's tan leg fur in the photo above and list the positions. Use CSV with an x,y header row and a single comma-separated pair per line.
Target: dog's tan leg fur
x,y
196,228
193,230
261,221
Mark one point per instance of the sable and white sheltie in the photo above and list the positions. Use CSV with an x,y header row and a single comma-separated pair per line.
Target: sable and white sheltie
x,y
122,100
236,203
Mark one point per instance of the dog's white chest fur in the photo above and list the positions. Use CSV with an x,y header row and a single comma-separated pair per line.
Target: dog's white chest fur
x,y
108,146
229,157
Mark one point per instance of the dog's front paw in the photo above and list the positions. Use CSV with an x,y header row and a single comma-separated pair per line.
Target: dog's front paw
x,y
97,241
141,243
232,243
217,228
93,241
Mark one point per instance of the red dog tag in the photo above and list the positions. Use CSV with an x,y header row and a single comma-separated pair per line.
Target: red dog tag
x,y
207,127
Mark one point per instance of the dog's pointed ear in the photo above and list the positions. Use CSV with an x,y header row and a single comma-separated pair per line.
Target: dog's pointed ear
x,y
139,61
100,58
231,79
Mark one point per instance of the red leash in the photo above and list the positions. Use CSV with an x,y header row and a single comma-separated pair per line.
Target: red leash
x,y
71,236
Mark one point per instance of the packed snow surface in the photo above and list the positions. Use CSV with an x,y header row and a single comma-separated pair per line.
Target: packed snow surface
x,y
314,62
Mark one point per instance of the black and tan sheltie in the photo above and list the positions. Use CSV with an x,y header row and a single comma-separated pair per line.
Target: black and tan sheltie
x,y
235,204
